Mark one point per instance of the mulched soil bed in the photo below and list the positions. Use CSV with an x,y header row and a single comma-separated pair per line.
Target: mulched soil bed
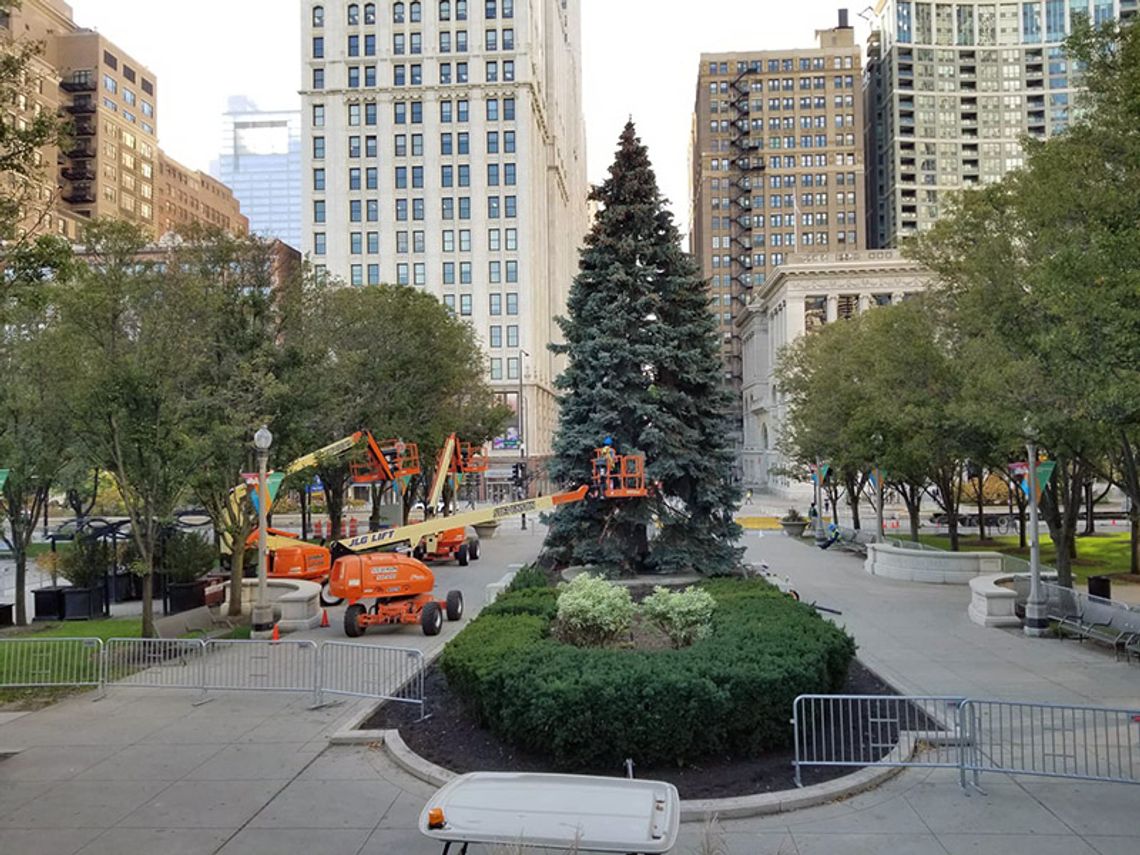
x,y
453,739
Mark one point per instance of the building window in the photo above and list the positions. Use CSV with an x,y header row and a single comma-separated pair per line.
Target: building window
x,y
495,305
370,13
512,303
512,335
356,243
496,336
492,175
513,368
401,113
492,109
402,273
398,10
318,179
320,243
399,75
491,39
354,77
416,43
370,75
417,145
318,16
465,207
465,305
465,273
318,148
445,10
401,210
508,142
374,243
449,302
353,14
493,210
508,69
509,109
508,8
496,368
463,143
512,271
419,274
508,39
319,211
492,71
494,272
512,237
415,12
417,74
445,111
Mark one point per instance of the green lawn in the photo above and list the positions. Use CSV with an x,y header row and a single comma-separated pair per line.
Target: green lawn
x,y
1100,553
110,628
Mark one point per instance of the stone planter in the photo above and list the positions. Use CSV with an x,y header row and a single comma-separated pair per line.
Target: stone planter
x,y
82,603
486,530
48,603
183,596
794,528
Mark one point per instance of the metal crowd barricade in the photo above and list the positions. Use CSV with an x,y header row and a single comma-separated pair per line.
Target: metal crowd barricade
x,y
1050,740
160,663
41,662
372,671
875,730
256,665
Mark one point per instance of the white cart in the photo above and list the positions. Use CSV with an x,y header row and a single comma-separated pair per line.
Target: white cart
x,y
594,814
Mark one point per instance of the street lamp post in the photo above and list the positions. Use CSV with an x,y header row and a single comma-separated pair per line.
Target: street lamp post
x,y
522,434
878,440
820,537
261,617
1036,623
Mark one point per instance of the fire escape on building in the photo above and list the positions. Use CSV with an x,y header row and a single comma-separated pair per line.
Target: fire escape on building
x,y
746,173
78,156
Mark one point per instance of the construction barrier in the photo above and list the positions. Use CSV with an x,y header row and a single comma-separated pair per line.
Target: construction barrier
x,y
330,667
972,735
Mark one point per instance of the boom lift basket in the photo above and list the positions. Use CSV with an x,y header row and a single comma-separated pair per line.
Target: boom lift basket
x,y
619,476
386,461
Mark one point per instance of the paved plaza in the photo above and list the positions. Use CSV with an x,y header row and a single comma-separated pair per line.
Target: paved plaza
x,y
150,771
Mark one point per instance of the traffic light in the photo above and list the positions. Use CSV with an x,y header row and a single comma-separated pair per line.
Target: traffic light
x,y
518,474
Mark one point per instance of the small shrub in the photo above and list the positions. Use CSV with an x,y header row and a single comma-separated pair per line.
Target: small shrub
x,y
186,556
530,576
85,563
792,516
593,612
684,616
542,602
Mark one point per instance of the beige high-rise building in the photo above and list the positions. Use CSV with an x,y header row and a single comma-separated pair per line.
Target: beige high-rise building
x,y
36,21
184,196
109,169
110,165
777,167
445,149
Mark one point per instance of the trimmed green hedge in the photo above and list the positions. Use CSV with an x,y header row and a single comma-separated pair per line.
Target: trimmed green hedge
x,y
730,693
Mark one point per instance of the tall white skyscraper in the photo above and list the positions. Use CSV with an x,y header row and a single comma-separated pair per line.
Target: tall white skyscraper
x,y
261,162
444,148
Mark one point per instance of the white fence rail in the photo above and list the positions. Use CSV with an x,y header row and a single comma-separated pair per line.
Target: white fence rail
x,y
41,662
368,671
1051,740
875,730
160,663
971,735
331,667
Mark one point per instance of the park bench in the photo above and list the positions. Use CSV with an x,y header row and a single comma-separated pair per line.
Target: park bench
x,y
1102,632
852,540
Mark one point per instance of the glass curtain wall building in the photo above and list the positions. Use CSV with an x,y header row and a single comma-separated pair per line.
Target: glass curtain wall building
x,y
261,162
951,88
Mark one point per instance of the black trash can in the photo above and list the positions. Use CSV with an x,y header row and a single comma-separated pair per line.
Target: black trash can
x,y
1100,586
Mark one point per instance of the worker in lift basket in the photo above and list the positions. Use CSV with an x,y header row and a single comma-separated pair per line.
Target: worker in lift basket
x,y
612,479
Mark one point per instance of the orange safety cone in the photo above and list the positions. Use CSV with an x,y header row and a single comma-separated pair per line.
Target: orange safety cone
x,y
324,618
276,633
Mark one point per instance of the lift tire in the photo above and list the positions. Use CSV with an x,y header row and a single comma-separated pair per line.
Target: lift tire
x,y
473,549
454,605
352,616
431,619
461,555
327,600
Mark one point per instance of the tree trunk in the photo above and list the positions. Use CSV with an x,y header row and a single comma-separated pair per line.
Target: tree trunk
x,y
981,504
21,583
1134,552
375,491
305,521
851,481
148,602
1090,523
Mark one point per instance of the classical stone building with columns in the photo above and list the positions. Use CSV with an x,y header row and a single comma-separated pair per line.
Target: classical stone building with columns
x,y
805,292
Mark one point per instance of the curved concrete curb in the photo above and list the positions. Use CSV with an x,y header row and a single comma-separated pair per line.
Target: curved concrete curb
x,y
694,810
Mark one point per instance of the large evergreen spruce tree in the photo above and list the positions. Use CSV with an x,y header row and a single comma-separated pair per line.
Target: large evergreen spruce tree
x,y
644,367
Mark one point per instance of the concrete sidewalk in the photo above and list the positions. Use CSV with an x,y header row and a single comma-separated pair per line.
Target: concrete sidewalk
x,y
148,771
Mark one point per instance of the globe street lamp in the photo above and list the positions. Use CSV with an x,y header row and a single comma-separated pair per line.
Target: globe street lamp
x,y
261,617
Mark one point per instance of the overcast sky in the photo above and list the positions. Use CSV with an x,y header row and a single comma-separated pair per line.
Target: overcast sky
x,y
640,59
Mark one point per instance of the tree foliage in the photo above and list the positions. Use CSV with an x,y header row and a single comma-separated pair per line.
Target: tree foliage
x,y
643,368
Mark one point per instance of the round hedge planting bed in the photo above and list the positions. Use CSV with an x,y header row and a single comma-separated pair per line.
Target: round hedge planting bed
x,y
730,693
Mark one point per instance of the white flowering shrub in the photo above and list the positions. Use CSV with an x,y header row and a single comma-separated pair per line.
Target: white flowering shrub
x,y
684,616
593,612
